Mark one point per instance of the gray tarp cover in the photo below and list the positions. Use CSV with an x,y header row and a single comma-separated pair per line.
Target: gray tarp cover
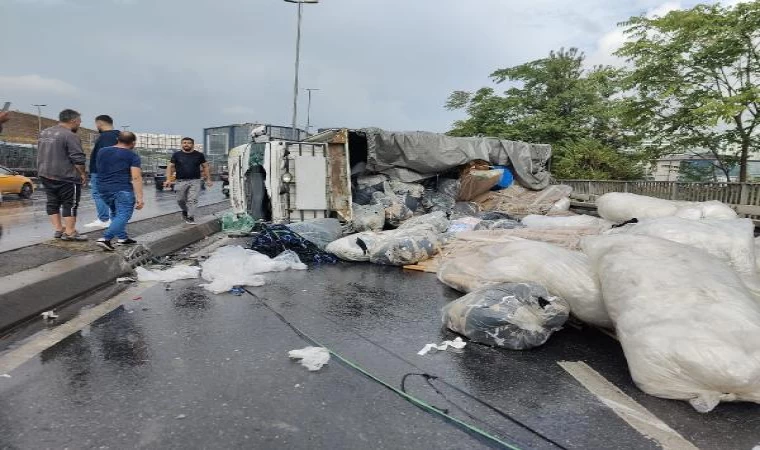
x,y
416,155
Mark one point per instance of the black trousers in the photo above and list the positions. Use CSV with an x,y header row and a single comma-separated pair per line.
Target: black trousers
x,y
62,197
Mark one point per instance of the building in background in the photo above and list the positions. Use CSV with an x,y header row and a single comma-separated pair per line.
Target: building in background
x,y
219,140
18,141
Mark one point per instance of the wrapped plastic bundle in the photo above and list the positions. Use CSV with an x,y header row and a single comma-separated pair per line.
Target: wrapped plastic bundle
x,y
518,316
553,222
620,207
689,327
563,272
407,246
436,219
503,224
354,247
368,218
396,210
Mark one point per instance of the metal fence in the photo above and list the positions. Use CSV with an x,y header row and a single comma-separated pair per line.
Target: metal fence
x,y
743,197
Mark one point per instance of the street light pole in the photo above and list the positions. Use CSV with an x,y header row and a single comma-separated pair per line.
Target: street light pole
x,y
308,110
298,56
125,127
39,119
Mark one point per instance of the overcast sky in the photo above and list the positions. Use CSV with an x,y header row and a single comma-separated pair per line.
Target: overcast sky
x,y
177,66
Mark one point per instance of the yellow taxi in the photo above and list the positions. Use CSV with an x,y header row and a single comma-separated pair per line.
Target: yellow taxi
x,y
11,182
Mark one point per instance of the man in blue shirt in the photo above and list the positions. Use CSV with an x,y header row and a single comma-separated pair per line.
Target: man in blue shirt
x,y
107,138
121,187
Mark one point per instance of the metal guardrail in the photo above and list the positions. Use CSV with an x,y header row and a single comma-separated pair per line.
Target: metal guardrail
x,y
743,197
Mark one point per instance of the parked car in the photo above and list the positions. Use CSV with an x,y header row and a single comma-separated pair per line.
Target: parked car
x,y
12,182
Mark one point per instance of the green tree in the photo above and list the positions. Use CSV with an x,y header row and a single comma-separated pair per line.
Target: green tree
x,y
553,100
695,80
589,159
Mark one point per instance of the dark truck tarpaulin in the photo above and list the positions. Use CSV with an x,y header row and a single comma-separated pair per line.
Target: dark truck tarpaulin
x,y
415,155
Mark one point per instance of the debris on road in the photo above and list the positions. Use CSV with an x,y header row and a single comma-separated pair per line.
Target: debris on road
x,y
313,358
178,272
457,343
126,280
49,315
232,266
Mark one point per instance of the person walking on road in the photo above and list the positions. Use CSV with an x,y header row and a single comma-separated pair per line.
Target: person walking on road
x,y
188,165
121,188
107,138
61,168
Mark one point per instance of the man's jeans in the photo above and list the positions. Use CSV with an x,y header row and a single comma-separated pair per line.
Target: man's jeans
x,y
122,205
100,205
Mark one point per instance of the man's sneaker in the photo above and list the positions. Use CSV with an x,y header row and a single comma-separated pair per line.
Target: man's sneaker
x,y
98,224
189,220
73,237
126,241
105,244
184,214
57,234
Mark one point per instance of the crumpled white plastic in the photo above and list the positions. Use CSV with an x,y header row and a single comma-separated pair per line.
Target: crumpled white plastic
x,y
313,358
457,343
234,265
178,272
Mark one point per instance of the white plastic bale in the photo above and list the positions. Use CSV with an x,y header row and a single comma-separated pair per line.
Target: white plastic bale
x,y
620,207
436,219
562,205
689,327
731,241
563,272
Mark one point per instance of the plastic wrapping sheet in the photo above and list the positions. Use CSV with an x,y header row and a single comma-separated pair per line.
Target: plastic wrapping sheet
x,y
519,201
689,327
518,316
318,231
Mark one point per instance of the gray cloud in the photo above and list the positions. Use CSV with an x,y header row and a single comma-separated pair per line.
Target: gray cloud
x,y
178,66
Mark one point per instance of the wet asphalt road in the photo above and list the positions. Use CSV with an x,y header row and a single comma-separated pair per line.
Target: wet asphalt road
x,y
25,222
186,369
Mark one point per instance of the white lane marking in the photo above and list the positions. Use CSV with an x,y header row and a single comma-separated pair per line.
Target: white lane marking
x,y
627,408
45,340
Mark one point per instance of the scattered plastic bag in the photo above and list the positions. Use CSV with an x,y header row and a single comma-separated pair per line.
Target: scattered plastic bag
x,y
560,206
463,224
448,186
178,272
313,358
436,219
237,222
465,209
621,207
518,316
554,222
405,246
395,209
354,247
731,241
232,266
689,327
457,343
503,224
435,201
564,273
318,231
368,218
273,240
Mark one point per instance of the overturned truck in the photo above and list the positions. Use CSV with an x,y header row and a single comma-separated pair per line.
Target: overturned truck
x,y
284,181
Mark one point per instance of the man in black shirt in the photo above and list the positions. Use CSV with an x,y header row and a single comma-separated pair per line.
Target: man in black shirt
x,y
185,170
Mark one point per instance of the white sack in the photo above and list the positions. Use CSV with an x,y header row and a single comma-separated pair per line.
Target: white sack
x,y
563,272
620,207
555,222
731,241
562,205
348,248
178,272
234,265
689,327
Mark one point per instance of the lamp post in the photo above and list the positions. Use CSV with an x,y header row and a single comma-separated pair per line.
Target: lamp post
x,y
308,110
39,119
125,127
298,55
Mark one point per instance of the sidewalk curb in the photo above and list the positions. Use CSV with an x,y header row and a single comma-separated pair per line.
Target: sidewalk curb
x,y
26,294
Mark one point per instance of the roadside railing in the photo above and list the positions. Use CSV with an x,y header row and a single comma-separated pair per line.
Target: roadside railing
x,y
743,197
